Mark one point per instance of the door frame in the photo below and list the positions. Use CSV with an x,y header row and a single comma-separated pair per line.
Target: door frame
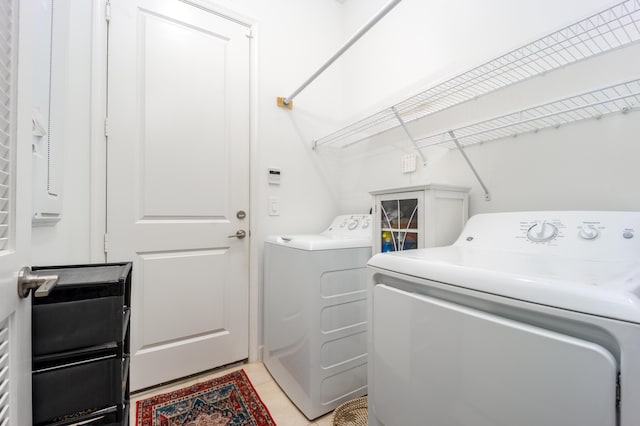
x,y
99,148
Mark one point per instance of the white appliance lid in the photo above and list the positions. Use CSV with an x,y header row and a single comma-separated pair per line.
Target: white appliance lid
x,y
317,242
608,288
599,276
345,231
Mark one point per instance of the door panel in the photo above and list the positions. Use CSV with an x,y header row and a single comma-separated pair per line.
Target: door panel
x,y
463,367
194,78
160,274
178,171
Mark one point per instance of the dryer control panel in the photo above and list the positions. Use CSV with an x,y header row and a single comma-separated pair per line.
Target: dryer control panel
x,y
542,231
595,234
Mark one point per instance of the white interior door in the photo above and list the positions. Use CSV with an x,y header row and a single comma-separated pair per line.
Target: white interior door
x,y
178,182
15,210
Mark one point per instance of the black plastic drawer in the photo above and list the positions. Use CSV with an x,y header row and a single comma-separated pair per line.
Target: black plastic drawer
x,y
81,346
125,377
114,416
66,326
89,307
77,388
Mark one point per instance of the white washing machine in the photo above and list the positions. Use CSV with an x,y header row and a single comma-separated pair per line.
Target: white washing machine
x,y
528,319
315,314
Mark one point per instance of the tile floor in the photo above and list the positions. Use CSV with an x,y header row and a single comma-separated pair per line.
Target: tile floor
x,y
282,410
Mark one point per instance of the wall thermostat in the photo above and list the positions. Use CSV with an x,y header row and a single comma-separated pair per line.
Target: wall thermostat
x,y
274,176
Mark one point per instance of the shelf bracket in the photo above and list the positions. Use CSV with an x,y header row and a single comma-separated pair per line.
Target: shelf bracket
x,y
411,138
487,196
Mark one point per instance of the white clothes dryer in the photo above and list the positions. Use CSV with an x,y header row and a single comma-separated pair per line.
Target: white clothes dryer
x,y
315,314
528,319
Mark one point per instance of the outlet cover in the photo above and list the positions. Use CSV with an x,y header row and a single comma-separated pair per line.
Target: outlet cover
x,y
409,163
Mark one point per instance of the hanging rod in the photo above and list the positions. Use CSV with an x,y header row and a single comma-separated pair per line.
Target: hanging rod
x,y
287,102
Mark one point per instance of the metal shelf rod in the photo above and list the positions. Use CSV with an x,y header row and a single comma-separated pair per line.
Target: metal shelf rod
x,y
487,196
411,138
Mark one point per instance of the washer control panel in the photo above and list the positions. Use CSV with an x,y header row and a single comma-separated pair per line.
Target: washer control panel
x,y
350,226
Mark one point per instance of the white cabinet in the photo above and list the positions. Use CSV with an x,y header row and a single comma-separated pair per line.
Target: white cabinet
x,y
418,216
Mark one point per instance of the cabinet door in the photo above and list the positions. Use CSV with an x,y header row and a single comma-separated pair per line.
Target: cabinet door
x,y
399,221
446,212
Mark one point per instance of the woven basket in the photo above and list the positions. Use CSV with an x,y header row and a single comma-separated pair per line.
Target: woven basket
x,y
351,413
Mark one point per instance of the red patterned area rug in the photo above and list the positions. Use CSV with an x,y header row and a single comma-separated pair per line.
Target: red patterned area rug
x,y
229,400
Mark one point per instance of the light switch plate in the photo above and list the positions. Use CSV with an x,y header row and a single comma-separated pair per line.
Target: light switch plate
x,y
274,206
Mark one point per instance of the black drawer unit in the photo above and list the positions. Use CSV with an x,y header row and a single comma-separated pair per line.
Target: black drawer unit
x,y
80,341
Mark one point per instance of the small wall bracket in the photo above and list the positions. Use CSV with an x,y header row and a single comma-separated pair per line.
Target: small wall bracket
x,y
366,27
284,103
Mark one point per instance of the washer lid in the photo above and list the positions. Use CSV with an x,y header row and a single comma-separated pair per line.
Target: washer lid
x,y
604,288
317,242
345,231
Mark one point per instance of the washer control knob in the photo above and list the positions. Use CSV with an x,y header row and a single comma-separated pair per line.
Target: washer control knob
x,y
627,235
588,232
353,225
542,232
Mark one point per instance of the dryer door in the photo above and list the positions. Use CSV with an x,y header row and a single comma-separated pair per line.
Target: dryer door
x,y
437,363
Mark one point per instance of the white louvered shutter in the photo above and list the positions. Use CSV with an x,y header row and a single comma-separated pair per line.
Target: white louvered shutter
x,y
7,65
6,118
4,374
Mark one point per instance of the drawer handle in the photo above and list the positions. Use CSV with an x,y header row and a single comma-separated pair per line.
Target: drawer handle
x,y
43,284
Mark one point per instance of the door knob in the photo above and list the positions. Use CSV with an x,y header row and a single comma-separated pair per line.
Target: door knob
x,y
43,284
239,235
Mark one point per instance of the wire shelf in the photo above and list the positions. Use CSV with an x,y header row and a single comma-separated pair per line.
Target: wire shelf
x,y
622,97
610,29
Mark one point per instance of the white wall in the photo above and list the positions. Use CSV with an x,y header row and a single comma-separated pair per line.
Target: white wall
x,y
68,242
588,165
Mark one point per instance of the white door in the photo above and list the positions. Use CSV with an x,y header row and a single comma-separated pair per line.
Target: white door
x,y
15,216
178,183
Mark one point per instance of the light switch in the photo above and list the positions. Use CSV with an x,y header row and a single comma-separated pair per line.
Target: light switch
x,y
274,206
